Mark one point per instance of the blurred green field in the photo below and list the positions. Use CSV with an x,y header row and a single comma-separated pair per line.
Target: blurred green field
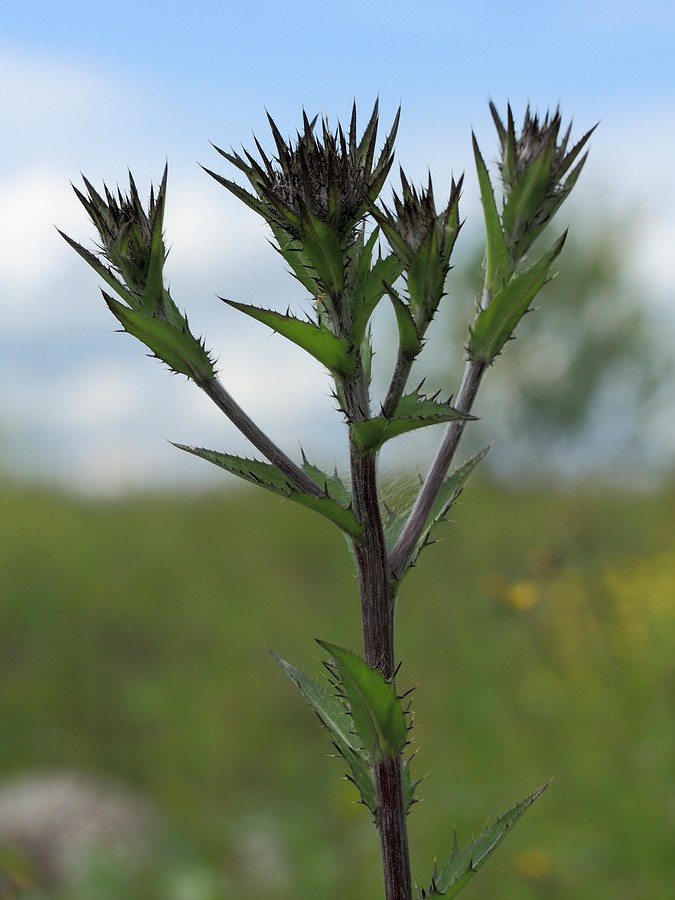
x,y
540,633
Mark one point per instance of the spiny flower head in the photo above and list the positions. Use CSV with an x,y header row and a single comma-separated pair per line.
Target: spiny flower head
x,y
325,176
423,240
132,243
131,239
535,167
414,220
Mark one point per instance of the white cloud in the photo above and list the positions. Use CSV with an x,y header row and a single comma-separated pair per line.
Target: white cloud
x,y
32,254
105,420
37,93
209,228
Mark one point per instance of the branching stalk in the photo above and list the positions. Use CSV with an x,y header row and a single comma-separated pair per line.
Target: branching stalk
x,y
377,619
226,403
399,379
401,553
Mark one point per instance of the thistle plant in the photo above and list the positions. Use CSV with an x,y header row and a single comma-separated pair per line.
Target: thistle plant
x,y
319,193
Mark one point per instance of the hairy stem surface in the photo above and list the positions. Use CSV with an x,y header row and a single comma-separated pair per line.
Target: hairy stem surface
x,y
224,401
400,555
377,618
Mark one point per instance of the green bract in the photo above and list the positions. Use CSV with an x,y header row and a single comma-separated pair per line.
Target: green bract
x,y
495,324
423,240
536,176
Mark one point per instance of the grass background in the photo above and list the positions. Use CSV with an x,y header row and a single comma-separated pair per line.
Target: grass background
x,y
540,633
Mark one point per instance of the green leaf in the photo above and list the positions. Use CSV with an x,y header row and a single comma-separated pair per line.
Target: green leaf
x,y
153,290
450,490
331,711
331,351
254,203
369,285
464,863
409,340
367,354
426,278
322,248
552,205
495,324
359,260
331,505
374,706
408,784
291,250
497,263
106,274
333,484
412,411
528,194
385,270
177,347
372,286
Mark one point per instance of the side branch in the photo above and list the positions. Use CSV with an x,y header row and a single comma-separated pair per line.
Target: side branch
x,y
398,383
400,555
215,390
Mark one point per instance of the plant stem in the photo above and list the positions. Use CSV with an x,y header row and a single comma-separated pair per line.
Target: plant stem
x,y
377,611
392,826
398,382
377,619
215,390
400,555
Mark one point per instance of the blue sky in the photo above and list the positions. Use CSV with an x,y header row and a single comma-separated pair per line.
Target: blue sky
x,y
98,88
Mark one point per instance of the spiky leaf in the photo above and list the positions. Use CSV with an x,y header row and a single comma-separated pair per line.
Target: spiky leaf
x,y
529,192
292,252
413,411
104,271
464,863
153,289
495,324
409,339
385,270
497,261
322,248
374,706
450,490
427,273
268,476
239,192
332,483
177,347
366,293
331,351
331,711
408,784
